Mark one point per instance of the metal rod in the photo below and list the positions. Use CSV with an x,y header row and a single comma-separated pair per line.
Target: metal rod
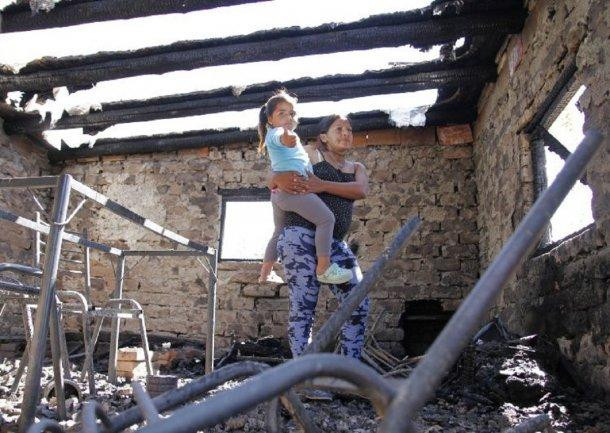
x,y
193,390
123,212
92,411
116,322
271,383
46,301
63,345
75,211
145,403
465,321
46,426
162,253
70,237
86,322
145,346
37,243
87,268
209,340
19,288
88,365
29,182
331,328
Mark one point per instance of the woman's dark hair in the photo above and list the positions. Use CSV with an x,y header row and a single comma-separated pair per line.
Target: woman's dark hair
x,y
324,125
281,95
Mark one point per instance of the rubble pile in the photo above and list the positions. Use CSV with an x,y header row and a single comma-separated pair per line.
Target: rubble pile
x,y
496,384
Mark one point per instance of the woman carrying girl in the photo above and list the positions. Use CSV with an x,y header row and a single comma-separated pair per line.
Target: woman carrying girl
x,y
337,182
277,121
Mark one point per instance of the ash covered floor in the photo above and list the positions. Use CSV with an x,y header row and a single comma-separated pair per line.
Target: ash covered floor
x,y
494,385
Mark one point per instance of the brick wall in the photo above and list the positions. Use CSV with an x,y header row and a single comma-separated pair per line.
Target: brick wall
x,y
18,158
563,293
410,173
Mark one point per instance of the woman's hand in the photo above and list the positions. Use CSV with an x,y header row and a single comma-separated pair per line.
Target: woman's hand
x,y
289,182
315,184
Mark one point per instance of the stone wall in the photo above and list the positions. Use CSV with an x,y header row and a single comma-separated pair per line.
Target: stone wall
x,y
563,293
18,158
410,173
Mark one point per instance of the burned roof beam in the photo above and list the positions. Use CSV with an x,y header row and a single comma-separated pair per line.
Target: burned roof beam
x,y
330,88
307,129
19,18
268,45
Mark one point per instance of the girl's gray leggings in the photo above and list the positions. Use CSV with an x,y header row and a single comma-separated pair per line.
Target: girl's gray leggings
x,y
309,206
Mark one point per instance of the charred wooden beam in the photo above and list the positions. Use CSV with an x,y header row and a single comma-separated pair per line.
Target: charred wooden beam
x,y
307,129
267,45
19,18
330,88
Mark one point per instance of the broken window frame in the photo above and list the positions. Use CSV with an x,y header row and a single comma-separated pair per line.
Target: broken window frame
x,y
540,138
238,195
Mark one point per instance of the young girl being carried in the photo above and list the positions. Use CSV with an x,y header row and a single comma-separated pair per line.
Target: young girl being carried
x,y
277,121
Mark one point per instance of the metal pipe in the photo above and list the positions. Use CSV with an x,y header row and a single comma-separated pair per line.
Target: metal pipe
x,y
293,404
171,253
87,268
37,243
19,288
92,411
273,382
57,359
123,212
197,388
465,321
63,345
209,339
46,301
115,321
145,403
331,328
46,426
88,364
145,347
70,237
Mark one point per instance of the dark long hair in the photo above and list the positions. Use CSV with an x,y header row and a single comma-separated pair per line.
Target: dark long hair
x,y
281,95
324,125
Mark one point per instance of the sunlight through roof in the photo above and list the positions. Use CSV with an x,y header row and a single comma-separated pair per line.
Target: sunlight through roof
x,y
123,35
405,109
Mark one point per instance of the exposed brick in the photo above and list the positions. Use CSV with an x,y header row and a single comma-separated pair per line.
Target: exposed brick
x,y
457,152
455,134
377,137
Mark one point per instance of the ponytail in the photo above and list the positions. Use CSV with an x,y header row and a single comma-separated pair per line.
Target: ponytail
x,y
262,129
281,95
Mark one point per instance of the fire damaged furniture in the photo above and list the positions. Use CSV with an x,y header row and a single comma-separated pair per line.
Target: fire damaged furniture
x,y
13,290
56,233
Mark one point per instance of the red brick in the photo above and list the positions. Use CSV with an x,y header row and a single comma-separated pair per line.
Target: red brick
x,y
456,134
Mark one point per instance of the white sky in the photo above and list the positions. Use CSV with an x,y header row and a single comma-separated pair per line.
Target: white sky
x,y
17,49
22,47
248,228
575,211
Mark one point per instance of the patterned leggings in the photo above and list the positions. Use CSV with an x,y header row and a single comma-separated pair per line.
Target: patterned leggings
x,y
297,250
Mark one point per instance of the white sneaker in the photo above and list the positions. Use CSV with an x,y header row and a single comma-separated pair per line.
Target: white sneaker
x,y
274,278
335,275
